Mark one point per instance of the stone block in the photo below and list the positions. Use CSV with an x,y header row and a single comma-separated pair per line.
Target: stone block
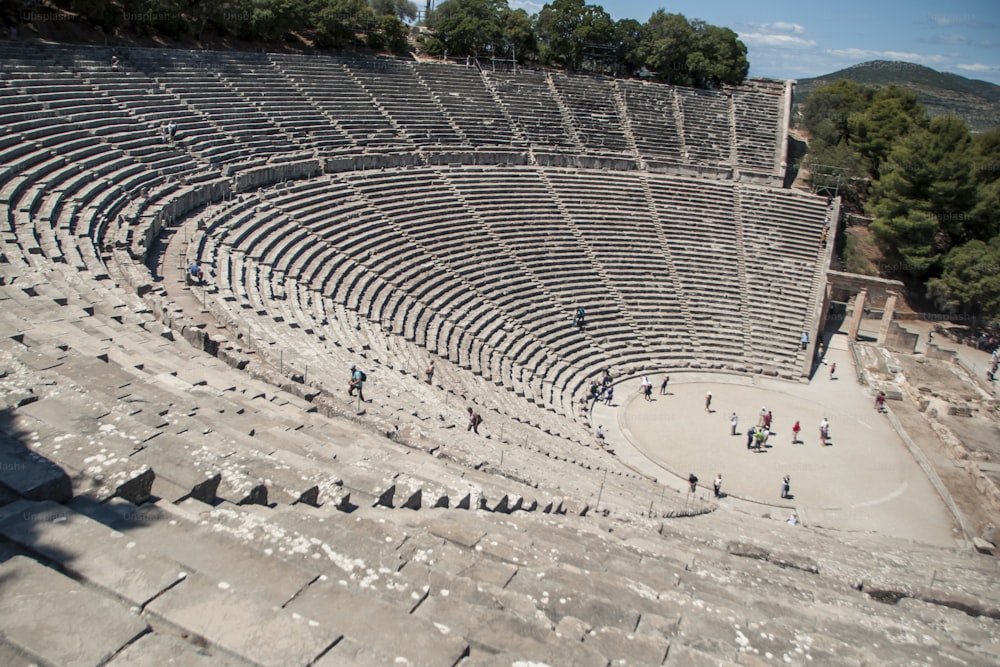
x,y
94,553
627,647
31,476
412,640
157,650
208,611
58,621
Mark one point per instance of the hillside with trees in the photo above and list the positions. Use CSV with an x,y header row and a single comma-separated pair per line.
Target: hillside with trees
x,y
931,186
567,34
941,93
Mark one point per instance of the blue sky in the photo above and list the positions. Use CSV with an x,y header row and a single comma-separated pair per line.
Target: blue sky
x,y
797,40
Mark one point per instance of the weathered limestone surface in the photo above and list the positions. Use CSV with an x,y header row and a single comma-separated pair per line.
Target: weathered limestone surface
x,y
55,619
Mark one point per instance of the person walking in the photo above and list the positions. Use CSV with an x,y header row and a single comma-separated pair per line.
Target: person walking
x,y
610,394
733,422
717,485
833,369
429,372
692,483
786,486
708,402
663,385
358,378
474,421
795,433
824,430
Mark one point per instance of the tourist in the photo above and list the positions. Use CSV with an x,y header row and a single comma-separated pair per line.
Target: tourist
x,y
429,372
759,439
795,432
474,421
708,402
358,379
195,272
599,433
646,387
717,485
833,369
805,340
786,486
663,385
880,402
824,430
609,395
692,483
733,421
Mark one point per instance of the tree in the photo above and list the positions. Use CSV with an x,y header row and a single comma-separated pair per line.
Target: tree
x,y
827,111
986,171
566,29
338,22
928,172
666,41
404,10
628,35
391,34
970,280
466,27
518,34
893,113
913,239
718,57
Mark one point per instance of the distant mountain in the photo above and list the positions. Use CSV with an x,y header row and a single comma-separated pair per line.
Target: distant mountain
x,y
977,102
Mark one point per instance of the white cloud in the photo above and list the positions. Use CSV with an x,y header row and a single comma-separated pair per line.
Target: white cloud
x,y
775,39
977,67
779,34
783,26
952,20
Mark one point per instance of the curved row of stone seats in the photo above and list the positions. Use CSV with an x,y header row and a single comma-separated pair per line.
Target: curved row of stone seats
x,y
594,112
705,121
260,291
201,439
391,268
339,96
528,96
614,217
462,94
462,219
237,118
463,585
654,119
697,219
257,78
231,106
781,237
757,128
407,100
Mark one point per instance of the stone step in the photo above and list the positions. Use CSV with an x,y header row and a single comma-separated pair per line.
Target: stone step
x,y
413,640
212,612
156,650
57,621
